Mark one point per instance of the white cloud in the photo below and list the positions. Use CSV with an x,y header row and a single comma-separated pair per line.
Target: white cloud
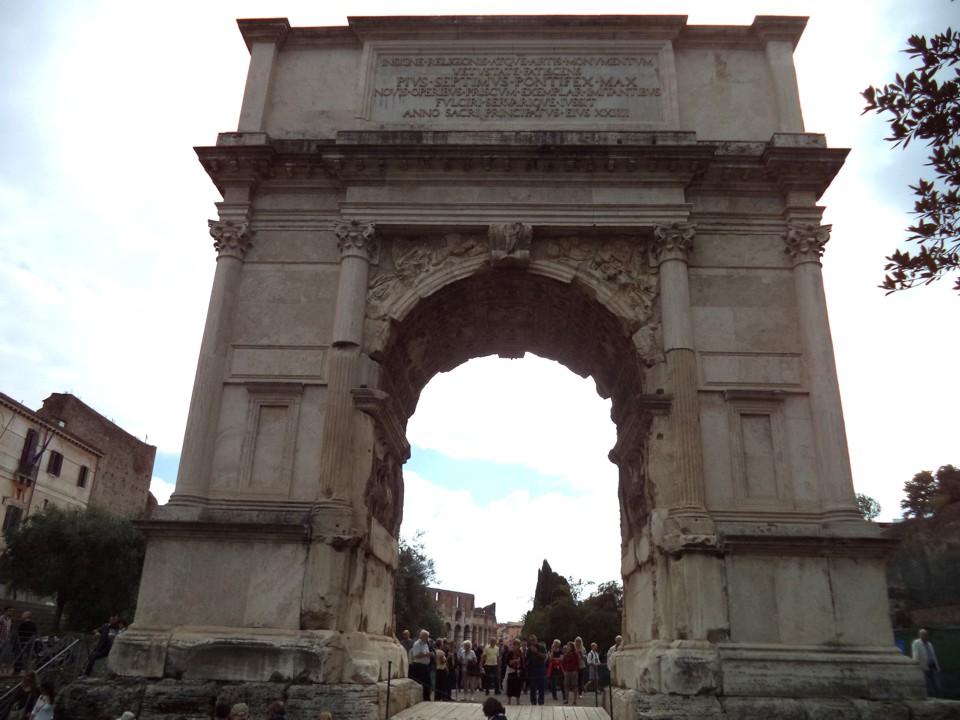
x,y
161,489
495,550
532,411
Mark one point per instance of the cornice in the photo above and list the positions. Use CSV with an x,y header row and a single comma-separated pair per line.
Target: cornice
x,y
787,163
816,546
224,531
264,30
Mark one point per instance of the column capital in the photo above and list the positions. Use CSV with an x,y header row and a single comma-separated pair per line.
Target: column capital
x,y
673,241
357,239
805,241
231,238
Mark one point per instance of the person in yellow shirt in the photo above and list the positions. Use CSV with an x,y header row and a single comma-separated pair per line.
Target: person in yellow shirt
x,y
491,668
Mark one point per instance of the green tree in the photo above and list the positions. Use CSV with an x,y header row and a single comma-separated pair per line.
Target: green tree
x,y
921,493
89,560
948,484
925,105
413,608
559,612
868,507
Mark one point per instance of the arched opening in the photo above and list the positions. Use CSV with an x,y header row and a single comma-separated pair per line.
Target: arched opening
x,y
591,321
508,468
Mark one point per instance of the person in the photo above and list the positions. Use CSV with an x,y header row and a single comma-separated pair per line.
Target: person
x,y
420,655
43,708
221,711
127,715
277,710
593,667
570,662
26,631
239,711
407,643
325,715
514,672
6,636
926,657
536,665
582,657
493,708
105,634
491,666
615,648
554,671
470,673
24,697
440,688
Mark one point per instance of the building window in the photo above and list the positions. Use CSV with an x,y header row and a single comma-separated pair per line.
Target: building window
x,y
82,479
12,518
26,455
55,463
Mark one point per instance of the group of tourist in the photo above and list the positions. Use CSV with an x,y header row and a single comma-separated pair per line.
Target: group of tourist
x,y
446,672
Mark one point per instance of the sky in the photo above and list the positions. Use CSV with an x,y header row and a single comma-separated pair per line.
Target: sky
x,y
106,267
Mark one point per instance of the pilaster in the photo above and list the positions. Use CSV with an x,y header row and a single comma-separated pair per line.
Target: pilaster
x,y
673,244
232,238
805,240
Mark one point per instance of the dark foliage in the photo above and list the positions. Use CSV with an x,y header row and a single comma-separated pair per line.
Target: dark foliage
x,y
928,493
558,612
868,507
413,608
90,561
925,105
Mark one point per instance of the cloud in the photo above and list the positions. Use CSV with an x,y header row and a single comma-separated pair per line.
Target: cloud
x,y
534,412
161,489
494,550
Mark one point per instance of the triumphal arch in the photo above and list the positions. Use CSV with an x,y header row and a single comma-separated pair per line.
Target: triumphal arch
x,y
634,197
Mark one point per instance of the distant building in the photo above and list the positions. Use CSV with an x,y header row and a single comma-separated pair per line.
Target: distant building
x,y
126,465
510,631
462,620
41,463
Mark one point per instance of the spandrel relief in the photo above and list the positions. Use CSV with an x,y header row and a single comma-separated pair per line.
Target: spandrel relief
x,y
409,260
619,262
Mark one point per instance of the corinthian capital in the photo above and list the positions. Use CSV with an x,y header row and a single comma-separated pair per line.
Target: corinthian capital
x,y
231,238
356,239
673,241
806,241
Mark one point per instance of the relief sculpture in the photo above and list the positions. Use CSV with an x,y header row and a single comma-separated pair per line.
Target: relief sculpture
x,y
620,262
384,494
410,259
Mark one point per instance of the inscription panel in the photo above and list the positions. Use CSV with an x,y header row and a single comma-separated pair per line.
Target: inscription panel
x,y
626,85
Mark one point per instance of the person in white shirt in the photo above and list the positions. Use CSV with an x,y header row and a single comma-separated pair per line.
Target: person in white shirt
x,y
420,655
926,657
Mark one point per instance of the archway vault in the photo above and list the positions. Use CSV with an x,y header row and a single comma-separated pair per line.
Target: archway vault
x,y
584,301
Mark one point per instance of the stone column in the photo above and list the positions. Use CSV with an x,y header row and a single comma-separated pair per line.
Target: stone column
x,y
232,237
358,246
672,246
805,243
334,574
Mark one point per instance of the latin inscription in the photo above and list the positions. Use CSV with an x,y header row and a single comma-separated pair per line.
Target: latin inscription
x,y
614,87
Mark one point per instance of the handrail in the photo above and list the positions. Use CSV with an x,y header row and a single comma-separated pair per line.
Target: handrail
x,y
41,668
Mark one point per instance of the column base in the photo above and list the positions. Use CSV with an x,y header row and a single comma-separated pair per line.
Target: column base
x,y
696,668
98,698
634,705
251,655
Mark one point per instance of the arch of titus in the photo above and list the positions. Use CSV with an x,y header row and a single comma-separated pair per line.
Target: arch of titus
x,y
634,197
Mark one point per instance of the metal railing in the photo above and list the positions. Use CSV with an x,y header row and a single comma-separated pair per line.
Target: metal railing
x,y
62,658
